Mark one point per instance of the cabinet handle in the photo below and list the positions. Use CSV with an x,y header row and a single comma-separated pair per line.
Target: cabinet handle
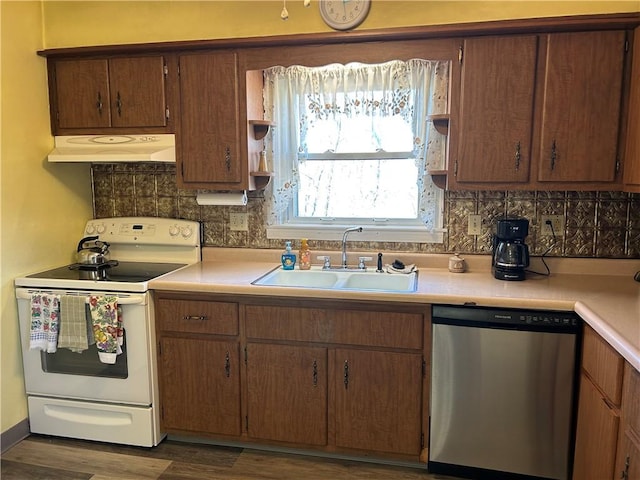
x,y
315,373
119,104
227,158
195,317
99,103
346,374
625,472
554,155
518,155
227,365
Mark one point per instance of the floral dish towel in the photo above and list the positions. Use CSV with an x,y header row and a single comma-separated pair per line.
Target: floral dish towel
x,y
45,317
107,326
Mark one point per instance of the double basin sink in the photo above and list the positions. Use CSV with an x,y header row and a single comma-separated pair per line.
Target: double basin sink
x,y
340,279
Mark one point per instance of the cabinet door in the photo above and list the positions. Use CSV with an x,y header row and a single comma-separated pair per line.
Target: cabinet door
x,y
137,88
287,393
632,152
581,106
628,464
596,435
200,385
209,146
82,93
496,109
378,399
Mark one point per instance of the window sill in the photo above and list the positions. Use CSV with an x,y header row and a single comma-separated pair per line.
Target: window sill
x,y
415,234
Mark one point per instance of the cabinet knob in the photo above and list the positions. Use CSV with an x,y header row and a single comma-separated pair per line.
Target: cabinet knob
x,y
625,472
346,374
315,373
119,104
99,103
195,317
518,156
227,158
554,155
227,365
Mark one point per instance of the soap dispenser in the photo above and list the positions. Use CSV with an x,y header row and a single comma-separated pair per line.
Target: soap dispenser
x,y
305,255
288,257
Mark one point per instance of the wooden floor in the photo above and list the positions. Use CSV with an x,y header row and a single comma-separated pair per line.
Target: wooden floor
x,y
52,458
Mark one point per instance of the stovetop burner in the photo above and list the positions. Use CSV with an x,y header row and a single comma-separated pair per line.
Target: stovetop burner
x,y
129,272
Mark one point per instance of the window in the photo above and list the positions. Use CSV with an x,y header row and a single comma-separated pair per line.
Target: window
x,y
352,146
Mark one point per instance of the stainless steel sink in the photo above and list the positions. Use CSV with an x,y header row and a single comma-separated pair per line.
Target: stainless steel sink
x,y
340,280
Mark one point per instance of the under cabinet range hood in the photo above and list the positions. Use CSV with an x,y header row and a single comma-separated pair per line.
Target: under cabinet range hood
x,y
114,148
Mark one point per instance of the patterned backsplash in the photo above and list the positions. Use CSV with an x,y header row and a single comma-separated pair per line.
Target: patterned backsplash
x,y
597,224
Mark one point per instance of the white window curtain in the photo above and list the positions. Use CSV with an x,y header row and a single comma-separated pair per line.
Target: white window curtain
x,y
296,97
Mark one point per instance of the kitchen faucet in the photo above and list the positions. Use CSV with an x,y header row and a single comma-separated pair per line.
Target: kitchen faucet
x,y
344,244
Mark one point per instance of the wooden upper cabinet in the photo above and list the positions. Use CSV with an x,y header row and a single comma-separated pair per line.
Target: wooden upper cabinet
x,y
496,109
632,151
137,92
581,106
209,135
82,93
98,95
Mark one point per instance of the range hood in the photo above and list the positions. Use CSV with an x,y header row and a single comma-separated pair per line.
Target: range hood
x,y
114,148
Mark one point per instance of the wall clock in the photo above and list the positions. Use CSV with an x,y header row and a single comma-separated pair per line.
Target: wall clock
x,y
344,14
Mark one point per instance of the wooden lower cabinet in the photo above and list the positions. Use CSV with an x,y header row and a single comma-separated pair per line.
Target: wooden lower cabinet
x,y
628,464
628,458
596,435
336,376
378,400
287,393
200,385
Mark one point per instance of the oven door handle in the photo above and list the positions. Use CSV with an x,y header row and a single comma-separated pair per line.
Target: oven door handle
x,y
25,294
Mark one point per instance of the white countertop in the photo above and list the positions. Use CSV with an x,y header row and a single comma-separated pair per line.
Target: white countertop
x,y
602,292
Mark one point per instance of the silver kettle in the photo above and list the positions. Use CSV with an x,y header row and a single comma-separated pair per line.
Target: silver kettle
x,y
96,253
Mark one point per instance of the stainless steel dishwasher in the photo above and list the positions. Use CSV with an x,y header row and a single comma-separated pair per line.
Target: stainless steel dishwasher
x,y
503,390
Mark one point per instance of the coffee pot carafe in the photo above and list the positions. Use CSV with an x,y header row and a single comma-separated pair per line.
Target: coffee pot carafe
x,y
510,252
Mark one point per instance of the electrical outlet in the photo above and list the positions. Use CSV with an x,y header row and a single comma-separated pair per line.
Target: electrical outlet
x,y
239,222
558,225
474,227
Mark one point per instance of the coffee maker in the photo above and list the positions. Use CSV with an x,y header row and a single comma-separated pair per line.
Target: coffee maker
x,y
510,253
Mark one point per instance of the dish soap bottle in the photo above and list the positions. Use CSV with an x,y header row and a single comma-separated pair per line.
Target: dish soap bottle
x,y
288,258
305,255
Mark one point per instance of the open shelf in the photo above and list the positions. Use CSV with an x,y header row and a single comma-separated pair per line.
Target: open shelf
x,y
261,128
440,122
261,179
439,177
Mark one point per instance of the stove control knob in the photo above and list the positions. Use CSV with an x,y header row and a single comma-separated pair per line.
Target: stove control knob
x,y
101,228
91,229
174,230
187,232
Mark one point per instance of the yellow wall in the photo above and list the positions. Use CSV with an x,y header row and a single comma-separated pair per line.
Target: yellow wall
x,y
94,23
43,207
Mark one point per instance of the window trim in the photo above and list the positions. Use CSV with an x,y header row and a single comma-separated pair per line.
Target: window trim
x,y
395,233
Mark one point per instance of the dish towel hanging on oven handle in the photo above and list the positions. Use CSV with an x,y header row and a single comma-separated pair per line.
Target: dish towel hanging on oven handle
x,y
45,316
107,326
76,324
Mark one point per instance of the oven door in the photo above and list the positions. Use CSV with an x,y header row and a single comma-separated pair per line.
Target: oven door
x,y
81,376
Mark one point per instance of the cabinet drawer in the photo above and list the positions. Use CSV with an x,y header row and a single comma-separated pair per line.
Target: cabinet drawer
x,y
631,398
603,364
349,327
219,318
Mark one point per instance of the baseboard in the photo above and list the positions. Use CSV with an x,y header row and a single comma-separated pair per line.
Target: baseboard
x,y
10,437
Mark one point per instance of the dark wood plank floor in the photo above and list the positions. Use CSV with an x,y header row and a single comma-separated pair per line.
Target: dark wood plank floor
x,y
53,458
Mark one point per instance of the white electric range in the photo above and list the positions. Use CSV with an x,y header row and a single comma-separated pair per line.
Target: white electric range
x,y
77,395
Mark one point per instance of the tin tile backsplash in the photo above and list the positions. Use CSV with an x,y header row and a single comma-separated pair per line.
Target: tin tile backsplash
x,y
597,224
